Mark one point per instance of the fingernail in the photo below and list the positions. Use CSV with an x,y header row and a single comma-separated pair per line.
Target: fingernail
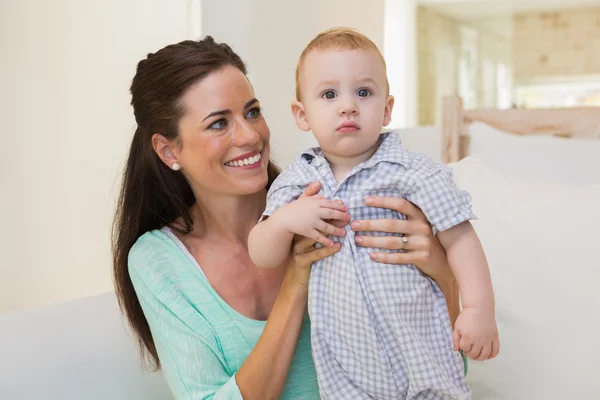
x,y
355,225
358,239
369,200
375,256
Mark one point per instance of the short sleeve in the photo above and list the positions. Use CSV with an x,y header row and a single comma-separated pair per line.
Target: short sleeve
x,y
442,202
288,187
281,197
191,360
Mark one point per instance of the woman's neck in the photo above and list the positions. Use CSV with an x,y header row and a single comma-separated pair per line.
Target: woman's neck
x,y
227,218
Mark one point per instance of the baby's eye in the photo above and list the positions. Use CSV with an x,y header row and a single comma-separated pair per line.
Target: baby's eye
x,y
330,94
363,92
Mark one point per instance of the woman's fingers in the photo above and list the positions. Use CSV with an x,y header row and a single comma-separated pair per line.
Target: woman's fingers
x,y
401,205
316,254
320,238
392,242
380,225
391,226
412,257
302,244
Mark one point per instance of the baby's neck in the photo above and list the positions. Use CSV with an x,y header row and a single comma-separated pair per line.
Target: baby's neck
x,y
341,165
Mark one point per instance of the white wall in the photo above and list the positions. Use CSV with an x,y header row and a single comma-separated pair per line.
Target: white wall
x,y
271,44
66,124
65,73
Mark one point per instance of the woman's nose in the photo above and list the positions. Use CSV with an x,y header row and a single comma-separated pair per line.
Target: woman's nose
x,y
245,134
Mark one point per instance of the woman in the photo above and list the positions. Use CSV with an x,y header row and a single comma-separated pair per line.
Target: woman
x,y
194,185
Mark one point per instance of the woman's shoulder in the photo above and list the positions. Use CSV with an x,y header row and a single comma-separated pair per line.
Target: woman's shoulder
x,y
151,246
156,257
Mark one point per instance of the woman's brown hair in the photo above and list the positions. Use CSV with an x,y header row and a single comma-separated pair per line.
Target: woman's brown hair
x,y
152,195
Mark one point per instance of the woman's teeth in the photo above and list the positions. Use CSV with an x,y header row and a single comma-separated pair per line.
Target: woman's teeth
x,y
245,161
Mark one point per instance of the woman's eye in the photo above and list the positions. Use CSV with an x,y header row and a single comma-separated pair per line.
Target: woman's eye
x,y
254,113
363,92
219,124
330,94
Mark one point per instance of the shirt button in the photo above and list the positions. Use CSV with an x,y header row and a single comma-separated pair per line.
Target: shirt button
x,y
323,173
318,162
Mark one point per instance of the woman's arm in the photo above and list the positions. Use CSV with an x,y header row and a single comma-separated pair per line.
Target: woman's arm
x,y
188,344
264,372
270,241
422,248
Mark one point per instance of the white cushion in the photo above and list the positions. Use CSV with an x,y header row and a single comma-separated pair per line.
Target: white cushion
x,y
546,158
541,240
73,351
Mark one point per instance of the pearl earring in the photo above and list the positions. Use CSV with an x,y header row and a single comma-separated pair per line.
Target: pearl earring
x,y
176,167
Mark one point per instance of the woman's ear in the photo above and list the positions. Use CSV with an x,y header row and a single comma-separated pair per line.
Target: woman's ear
x,y
300,116
165,151
387,113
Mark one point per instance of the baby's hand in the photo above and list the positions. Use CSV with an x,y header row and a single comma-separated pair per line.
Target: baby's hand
x,y
307,217
476,333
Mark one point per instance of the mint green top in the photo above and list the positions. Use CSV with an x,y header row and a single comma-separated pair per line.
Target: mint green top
x,y
201,341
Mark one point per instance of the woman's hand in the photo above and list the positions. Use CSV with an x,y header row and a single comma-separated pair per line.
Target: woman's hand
x,y
303,252
422,248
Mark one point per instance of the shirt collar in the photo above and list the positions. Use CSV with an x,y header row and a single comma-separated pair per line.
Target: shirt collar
x,y
390,150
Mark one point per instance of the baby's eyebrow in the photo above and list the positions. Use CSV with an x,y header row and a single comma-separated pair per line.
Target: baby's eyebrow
x,y
369,80
328,83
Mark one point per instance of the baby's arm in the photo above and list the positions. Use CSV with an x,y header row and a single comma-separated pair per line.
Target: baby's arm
x,y
475,330
448,209
469,265
270,241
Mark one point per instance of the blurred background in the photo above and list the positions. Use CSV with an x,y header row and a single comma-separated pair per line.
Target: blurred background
x,y
66,66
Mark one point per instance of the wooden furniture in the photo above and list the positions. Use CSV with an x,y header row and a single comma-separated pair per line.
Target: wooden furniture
x,y
582,122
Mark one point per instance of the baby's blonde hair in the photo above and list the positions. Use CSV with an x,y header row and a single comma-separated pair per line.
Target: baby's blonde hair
x,y
339,38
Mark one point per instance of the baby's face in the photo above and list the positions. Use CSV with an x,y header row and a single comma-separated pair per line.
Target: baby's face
x,y
345,100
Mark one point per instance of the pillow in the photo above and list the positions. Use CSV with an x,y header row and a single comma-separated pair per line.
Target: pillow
x,y
541,241
546,158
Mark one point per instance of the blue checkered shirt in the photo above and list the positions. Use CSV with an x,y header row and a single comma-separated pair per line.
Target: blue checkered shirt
x,y
380,331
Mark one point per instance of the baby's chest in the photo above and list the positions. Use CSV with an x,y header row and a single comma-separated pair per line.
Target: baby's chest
x,y
355,190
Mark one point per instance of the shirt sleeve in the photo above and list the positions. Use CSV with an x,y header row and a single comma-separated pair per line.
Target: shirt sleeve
x,y
436,194
188,348
285,189
281,197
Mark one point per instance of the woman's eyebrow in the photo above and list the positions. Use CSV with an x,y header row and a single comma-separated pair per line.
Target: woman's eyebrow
x,y
228,112
215,113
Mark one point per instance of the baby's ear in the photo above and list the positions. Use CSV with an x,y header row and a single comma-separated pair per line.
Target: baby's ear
x,y
300,116
387,113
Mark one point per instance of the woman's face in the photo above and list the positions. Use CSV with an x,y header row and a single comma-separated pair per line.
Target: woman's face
x,y
223,144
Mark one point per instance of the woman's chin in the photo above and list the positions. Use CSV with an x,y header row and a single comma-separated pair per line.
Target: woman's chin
x,y
249,186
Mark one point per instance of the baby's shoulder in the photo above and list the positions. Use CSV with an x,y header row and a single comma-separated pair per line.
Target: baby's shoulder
x,y
297,174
